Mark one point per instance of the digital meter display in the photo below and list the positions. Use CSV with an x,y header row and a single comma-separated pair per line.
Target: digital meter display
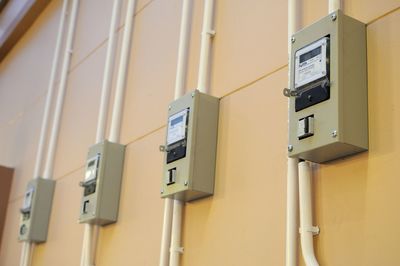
x,y
177,120
311,62
177,127
311,54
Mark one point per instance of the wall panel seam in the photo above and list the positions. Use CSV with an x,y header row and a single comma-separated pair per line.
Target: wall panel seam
x,y
383,16
254,81
104,41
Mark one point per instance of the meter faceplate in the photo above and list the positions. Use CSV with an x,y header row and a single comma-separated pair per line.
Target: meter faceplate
x,y
177,135
312,74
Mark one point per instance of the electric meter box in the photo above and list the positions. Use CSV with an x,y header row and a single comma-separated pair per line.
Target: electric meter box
x,y
36,209
190,149
102,183
328,106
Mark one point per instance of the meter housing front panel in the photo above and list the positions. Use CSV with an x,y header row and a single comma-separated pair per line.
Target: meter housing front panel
x,y
190,148
328,107
36,209
102,183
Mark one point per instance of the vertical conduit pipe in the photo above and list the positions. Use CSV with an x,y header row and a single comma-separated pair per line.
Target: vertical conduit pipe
x,y
202,85
292,213
48,170
50,91
92,231
180,82
307,230
292,185
27,249
90,243
84,244
207,35
334,5
104,103
176,232
108,71
122,73
166,232
26,253
183,48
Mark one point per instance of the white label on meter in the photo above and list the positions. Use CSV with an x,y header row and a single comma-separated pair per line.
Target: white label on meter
x,y
28,198
177,127
310,63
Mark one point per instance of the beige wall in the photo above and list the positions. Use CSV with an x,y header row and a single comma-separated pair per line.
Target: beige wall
x,y
243,223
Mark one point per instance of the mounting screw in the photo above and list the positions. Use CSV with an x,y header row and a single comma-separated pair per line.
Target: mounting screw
x,y
334,134
293,39
290,148
333,16
162,191
193,94
186,183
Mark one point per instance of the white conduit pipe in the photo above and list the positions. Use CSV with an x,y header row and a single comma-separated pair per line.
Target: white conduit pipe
x,y
307,230
84,245
48,170
108,71
166,232
90,236
205,47
26,253
292,196
292,213
334,5
202,85
92,231
180,82
102,118
176,232
50,91
122,73
27,249
183,48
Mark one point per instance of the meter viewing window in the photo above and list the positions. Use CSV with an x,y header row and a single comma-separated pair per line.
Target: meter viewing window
x,y
90,182
176,135
91,169
28,199
311,75
177,127
311,54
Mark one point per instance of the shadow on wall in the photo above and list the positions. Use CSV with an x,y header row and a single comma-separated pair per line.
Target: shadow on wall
x,y
6,175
